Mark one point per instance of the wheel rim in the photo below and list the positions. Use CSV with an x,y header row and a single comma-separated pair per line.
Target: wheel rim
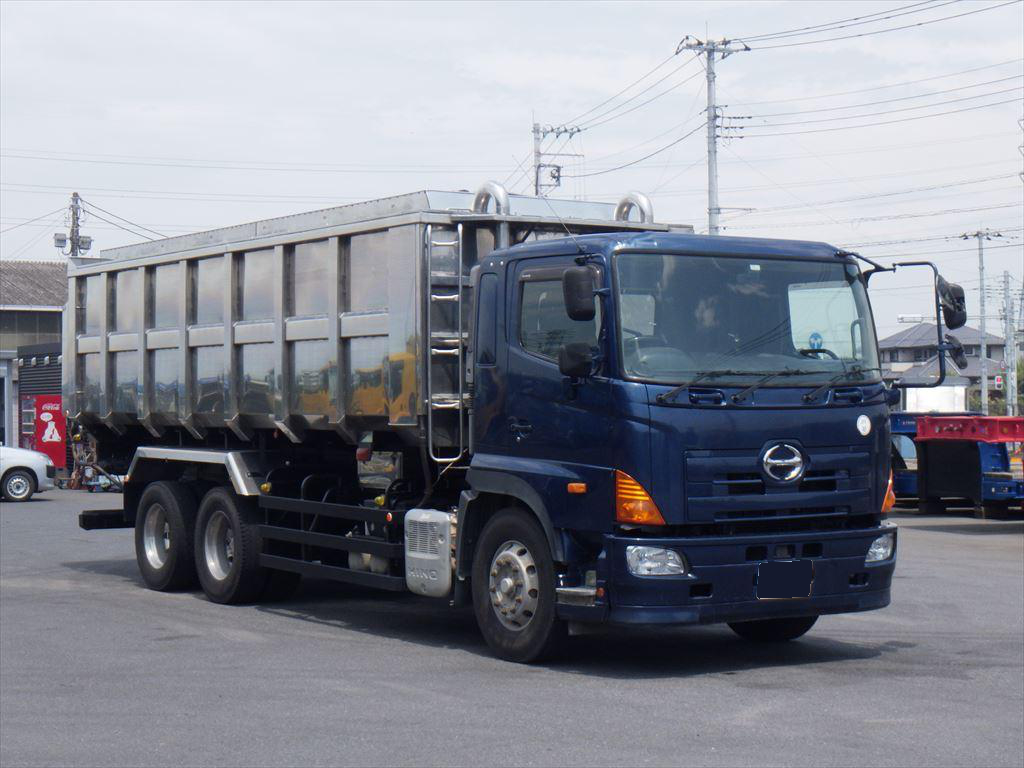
x,y
514,586
18,487
156,536
219,546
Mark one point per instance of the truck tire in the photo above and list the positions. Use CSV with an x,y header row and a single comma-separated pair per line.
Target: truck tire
x,y
164,530
514,589
227,545
18,485
773,630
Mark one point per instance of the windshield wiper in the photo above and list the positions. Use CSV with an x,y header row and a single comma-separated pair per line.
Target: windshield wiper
x,y
856,370
742,394
672,394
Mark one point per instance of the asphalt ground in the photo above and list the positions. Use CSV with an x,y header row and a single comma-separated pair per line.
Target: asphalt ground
x,y
96,670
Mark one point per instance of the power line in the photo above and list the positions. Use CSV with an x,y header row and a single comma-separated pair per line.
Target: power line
x,y
237,167
880,112
121,218
859,198
644,103
639,160
877,87
39,236
889,29
616,95
868,18
121,226
893,217
37,218
883,122
890,101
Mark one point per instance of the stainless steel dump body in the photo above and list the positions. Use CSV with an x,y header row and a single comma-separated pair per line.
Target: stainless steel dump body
x,y
350,318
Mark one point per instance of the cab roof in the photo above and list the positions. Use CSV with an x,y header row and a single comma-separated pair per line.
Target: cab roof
x,y
679,242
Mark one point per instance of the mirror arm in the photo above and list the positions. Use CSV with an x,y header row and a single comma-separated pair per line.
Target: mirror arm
x,y
941,345
877,267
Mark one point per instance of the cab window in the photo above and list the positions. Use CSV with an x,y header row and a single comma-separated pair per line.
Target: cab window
x,y
544,325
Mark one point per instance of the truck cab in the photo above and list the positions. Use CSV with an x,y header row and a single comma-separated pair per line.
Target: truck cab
x,y
728,427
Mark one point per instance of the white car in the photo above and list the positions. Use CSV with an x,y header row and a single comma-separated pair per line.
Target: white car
x,y
24,472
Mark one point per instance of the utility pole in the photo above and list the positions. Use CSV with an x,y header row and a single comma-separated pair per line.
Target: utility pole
x,y
1009,348
541,132
76,242
536,159
710,49
76,212
981,236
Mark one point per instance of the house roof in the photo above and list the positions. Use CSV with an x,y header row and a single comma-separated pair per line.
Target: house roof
x,y
929,371
923,335
27,284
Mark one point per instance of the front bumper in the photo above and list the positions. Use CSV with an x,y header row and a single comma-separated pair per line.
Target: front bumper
x,y
45,481
721,585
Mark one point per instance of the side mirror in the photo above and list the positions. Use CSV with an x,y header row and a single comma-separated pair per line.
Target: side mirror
x,y
575,359
954,305
578,291
956,352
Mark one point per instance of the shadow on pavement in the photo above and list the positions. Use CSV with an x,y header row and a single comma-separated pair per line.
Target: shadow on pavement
x,y
613,652
123,570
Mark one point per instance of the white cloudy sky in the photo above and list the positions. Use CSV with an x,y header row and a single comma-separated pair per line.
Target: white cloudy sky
x,y
188,116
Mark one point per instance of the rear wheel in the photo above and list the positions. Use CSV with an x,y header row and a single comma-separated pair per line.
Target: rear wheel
x,y
19,485
164,528
773,630
514,589
227,548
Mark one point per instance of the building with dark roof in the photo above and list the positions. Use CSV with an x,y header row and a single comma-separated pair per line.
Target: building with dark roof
x,y
32,298
910,356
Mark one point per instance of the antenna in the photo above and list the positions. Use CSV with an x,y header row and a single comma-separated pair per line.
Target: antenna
x,y
561,221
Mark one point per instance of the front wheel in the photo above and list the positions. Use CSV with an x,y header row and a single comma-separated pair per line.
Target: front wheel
x,y
773,630
19,485
514,589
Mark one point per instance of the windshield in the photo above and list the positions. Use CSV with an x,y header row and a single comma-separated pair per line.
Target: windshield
x,y
684,317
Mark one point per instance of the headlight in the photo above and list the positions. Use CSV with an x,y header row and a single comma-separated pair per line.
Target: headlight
x,y
881,548
655,561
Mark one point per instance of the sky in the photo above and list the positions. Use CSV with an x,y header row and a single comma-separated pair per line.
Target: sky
x,y
181,117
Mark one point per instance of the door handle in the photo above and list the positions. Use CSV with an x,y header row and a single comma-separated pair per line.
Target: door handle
x,y
519,428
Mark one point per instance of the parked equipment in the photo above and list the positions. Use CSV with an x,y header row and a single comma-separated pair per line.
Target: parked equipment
x,y
957,459
545,409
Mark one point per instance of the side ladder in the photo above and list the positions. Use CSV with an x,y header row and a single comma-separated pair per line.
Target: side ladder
x,y
446,343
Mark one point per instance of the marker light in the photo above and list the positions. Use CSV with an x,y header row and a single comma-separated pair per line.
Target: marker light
x,y
890,497
633,505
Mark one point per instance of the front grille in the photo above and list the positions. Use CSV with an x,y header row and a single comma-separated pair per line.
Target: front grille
x,y
729,485
751,483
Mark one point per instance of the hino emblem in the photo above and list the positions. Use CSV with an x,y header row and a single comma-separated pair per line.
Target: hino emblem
x,y
783,463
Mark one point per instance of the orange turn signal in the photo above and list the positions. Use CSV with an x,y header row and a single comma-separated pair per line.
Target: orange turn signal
x,y
633,505
890,497
576,487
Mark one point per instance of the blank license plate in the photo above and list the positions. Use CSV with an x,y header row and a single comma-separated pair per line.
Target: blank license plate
x,y
784,579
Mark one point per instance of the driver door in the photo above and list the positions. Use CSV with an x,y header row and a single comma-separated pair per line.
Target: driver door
x,y
557,427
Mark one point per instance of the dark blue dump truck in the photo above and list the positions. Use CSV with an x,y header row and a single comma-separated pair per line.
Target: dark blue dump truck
x,y
557,412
